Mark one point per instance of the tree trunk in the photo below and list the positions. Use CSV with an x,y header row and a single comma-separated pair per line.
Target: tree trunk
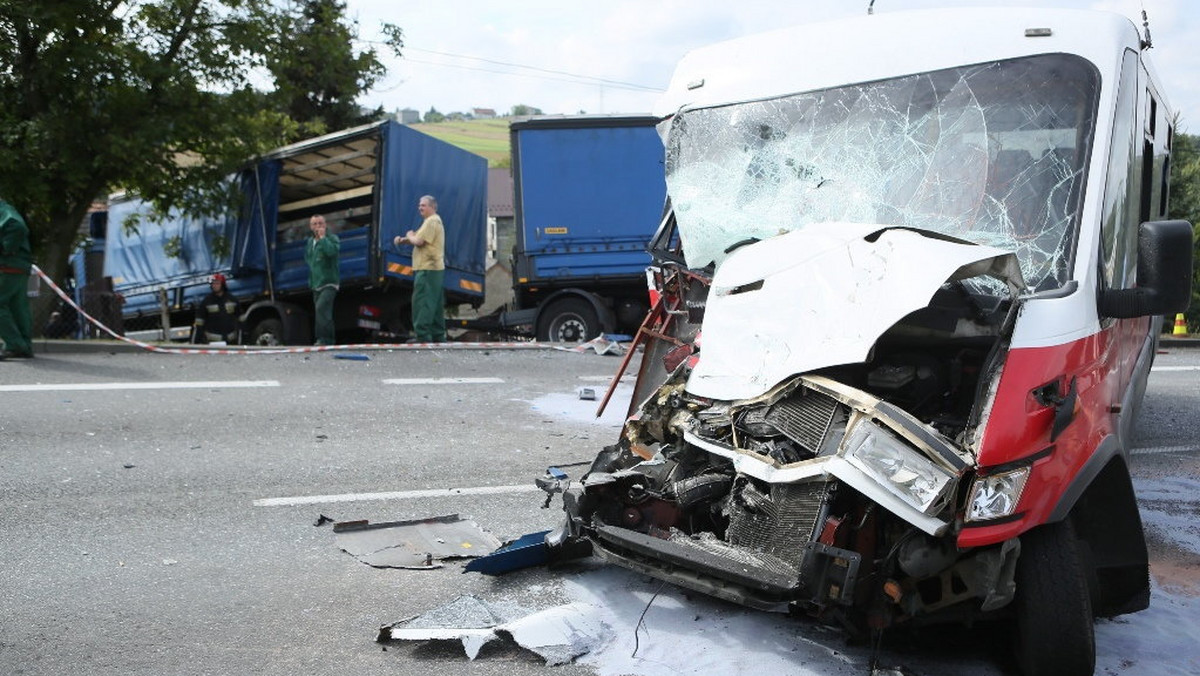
x,y
55,250
51,257
54,241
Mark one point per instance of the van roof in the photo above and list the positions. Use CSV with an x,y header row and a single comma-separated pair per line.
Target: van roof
x,y
880,46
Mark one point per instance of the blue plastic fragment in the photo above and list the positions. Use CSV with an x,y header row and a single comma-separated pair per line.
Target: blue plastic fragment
x,y
556,473
351,356
525,552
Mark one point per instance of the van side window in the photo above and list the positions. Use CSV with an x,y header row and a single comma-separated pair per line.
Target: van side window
x,y
1117,260
1165,189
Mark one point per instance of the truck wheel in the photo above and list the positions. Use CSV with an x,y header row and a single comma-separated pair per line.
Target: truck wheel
x,y
1054,623
268,331
568,320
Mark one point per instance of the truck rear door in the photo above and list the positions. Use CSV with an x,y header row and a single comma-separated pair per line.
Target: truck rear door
x,y
589,193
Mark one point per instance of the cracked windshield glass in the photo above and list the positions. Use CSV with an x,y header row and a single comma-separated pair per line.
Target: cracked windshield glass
x,y
992,154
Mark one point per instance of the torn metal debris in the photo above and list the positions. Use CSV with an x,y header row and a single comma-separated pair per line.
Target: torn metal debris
x,y
559,634
414,544
525,552
601,345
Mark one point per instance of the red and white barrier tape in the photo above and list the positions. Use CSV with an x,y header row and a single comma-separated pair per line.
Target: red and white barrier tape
x,y
286,350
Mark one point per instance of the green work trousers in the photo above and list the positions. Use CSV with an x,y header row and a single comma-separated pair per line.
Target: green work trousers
x,y
323,302
16,322
428,306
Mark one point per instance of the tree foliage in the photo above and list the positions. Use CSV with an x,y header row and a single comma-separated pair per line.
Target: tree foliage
x,y
1185,205
152,96
522,110
318,76
432,115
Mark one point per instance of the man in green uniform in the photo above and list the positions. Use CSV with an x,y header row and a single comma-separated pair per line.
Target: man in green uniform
x,y
16,258
321,254
429,265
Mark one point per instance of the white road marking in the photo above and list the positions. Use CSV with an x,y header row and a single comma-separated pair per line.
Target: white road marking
x,y
605,379
442,381
1150,450
1175,368
394,495
192,385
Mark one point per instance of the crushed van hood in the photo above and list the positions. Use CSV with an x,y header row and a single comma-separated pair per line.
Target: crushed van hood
x,y
821,296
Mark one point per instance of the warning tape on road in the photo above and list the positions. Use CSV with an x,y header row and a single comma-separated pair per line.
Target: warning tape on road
x,y
285,350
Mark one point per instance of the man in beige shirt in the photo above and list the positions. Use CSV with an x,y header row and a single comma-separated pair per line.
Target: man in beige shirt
x,y
429,266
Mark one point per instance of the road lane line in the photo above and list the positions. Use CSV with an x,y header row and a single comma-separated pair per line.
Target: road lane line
x,y
189,385
605,379
442,381
394,495
1175,368
1150,450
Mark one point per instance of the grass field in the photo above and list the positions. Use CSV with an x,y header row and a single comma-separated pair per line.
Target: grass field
x,y
488,138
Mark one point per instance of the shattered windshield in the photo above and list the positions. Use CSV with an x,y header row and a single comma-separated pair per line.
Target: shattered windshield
x,y
992,153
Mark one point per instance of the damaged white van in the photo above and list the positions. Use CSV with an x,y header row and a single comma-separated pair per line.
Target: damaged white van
x,y
909,288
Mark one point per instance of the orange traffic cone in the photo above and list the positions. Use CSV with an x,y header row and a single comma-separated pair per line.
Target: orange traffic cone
x,y
1180,326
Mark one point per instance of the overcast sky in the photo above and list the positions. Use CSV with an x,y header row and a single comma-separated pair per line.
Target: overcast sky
x,y
567,56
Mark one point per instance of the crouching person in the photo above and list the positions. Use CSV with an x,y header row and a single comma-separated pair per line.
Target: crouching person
x,y
217,315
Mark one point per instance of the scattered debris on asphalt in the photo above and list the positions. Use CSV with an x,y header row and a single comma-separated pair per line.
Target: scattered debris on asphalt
x,y
414,544
559,634
601,345
525,552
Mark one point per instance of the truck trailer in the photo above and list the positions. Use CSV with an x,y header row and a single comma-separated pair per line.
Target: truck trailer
x,y
365,181
588,196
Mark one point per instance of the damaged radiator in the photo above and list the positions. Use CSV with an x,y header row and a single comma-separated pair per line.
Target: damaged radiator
x,y
780,522
805,417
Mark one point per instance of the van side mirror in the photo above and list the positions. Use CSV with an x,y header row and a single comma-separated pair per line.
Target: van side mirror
x,y
1164,274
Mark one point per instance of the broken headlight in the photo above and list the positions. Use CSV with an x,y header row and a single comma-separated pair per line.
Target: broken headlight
x,y
996,495
898,467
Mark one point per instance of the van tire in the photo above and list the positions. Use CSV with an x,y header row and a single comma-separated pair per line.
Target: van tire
x,y
1055,633
568,320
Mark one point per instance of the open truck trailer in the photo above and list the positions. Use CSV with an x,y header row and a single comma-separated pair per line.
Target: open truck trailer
x,y
909,290
366,181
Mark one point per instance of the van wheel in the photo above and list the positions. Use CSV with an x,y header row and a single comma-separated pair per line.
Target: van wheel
x,y
568,320
268,331
1054,625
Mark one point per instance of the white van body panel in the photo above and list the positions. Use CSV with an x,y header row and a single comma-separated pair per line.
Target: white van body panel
x,y
743,69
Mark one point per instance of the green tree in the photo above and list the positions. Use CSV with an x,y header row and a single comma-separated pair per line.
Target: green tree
x,y
522,110
434,116
318,76
1185,205
150,96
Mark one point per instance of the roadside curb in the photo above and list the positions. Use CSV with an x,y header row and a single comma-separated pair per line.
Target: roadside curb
x,y
52,346
94,346
44,346
1168,342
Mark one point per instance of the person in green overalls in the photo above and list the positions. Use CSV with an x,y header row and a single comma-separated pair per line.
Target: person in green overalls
x,y
429,271
321,254
16,259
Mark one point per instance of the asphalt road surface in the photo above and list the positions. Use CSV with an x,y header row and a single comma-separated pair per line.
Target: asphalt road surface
x,y
157,512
